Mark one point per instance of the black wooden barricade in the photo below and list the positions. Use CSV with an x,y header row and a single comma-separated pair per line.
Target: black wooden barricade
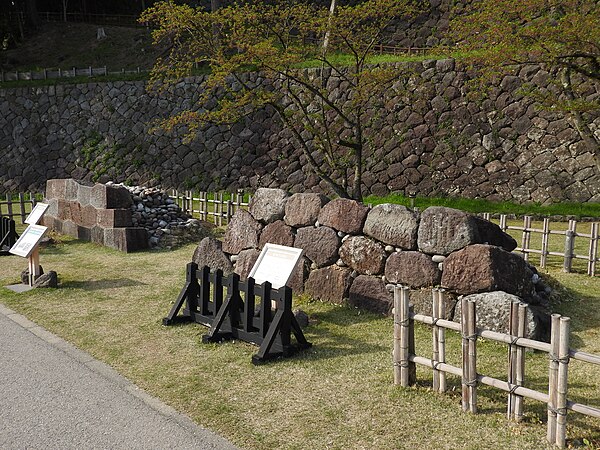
x,y
8,235
236,317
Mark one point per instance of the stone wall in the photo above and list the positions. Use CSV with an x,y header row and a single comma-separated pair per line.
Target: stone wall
x,y
356,254
438,143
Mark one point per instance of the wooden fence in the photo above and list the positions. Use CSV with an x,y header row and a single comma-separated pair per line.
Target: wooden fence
x,y
558,349
53,73
570,234
22,206
216,207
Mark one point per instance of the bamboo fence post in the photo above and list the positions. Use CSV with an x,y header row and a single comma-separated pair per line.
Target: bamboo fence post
x,y
221,205
512,331
520,360
412,366
465,350
593,254
552,377
442,339
526,237
561,386
404,336
569,246
436,351
545,238
472,340
503,222
397,353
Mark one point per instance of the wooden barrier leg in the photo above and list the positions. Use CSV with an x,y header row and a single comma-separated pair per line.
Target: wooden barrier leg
x,y
188,289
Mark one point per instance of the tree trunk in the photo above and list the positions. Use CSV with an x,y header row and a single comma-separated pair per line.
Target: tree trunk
x,y
327,33
31,11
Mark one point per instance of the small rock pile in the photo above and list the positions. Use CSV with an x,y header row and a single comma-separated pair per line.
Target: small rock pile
x,y
167,225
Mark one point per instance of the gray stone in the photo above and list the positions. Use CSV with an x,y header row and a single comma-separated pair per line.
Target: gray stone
x,y
25,275
320,245
370,293
242,232
422,300
444,230
344,215
412,269
110,196
482,268
493,313
302,209
363,255
276,233
210,253
301,318
329,284
47,280
394,225
268,205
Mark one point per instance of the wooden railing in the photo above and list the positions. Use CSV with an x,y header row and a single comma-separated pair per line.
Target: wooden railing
x,y
19,205
558,349
217,207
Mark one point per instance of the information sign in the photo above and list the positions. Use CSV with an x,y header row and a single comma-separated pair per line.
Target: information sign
x,y
28,241
36,213
275,264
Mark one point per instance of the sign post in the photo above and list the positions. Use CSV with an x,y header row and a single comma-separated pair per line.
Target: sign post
x,y
27,247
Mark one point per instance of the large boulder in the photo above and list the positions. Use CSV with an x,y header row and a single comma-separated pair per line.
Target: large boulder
x,y
320,244
299,275
245,262
302,209
394,225
268,205
422,301
363,255
344,215
370,293
493,313
47,280
242,232
276,233
444,230
210,253
484,268
414,269
329,283
108,196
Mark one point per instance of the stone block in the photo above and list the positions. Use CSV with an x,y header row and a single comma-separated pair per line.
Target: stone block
x,y
242,232
97,235
210,253
245,261
56,189
75,212
276,233
422,300
329,284
320,244
302,209
84,233
299,275
344,215
109,197
89,216
394,225
127,240
413,269
363,254
69,228
114,218
268,205
371,294
84,193
444,230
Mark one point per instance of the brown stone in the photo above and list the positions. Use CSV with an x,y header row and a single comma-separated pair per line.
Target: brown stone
x,y
394,225
242,232
56,189
363,255
302,210
299,275
276,233
127,240
370,293
329,284
422,300
75,212
245,261
209,253
104,196
320,244
268,205
414,269
344,215
483,268
64,210
114,218
89,216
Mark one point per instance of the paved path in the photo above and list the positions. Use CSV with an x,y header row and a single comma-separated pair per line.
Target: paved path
x,y
54,396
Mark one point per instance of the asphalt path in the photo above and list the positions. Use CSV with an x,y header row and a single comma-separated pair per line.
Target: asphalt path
x,y
55,396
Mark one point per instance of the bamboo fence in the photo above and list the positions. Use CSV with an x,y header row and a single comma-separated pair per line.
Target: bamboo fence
x,y
11,208
405,360
216,207
54,73
544,249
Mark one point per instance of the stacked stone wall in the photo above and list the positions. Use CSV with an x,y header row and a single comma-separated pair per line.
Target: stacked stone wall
x,y
436,141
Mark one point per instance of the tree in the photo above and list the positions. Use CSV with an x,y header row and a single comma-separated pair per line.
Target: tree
x,y
563,36
334,131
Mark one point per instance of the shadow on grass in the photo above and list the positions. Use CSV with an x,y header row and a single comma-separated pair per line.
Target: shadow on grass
x,y
96,285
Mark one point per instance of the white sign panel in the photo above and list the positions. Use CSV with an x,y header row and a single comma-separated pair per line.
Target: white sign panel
x,y
36,213
28,241
275,264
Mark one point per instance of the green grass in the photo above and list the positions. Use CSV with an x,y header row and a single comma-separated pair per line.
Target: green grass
x,y
338,394
480,205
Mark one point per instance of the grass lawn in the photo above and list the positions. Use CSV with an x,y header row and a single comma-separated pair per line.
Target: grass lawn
x,y
338,394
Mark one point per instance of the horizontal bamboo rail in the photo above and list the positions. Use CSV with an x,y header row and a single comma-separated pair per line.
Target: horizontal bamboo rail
x,y
210,206
558,350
